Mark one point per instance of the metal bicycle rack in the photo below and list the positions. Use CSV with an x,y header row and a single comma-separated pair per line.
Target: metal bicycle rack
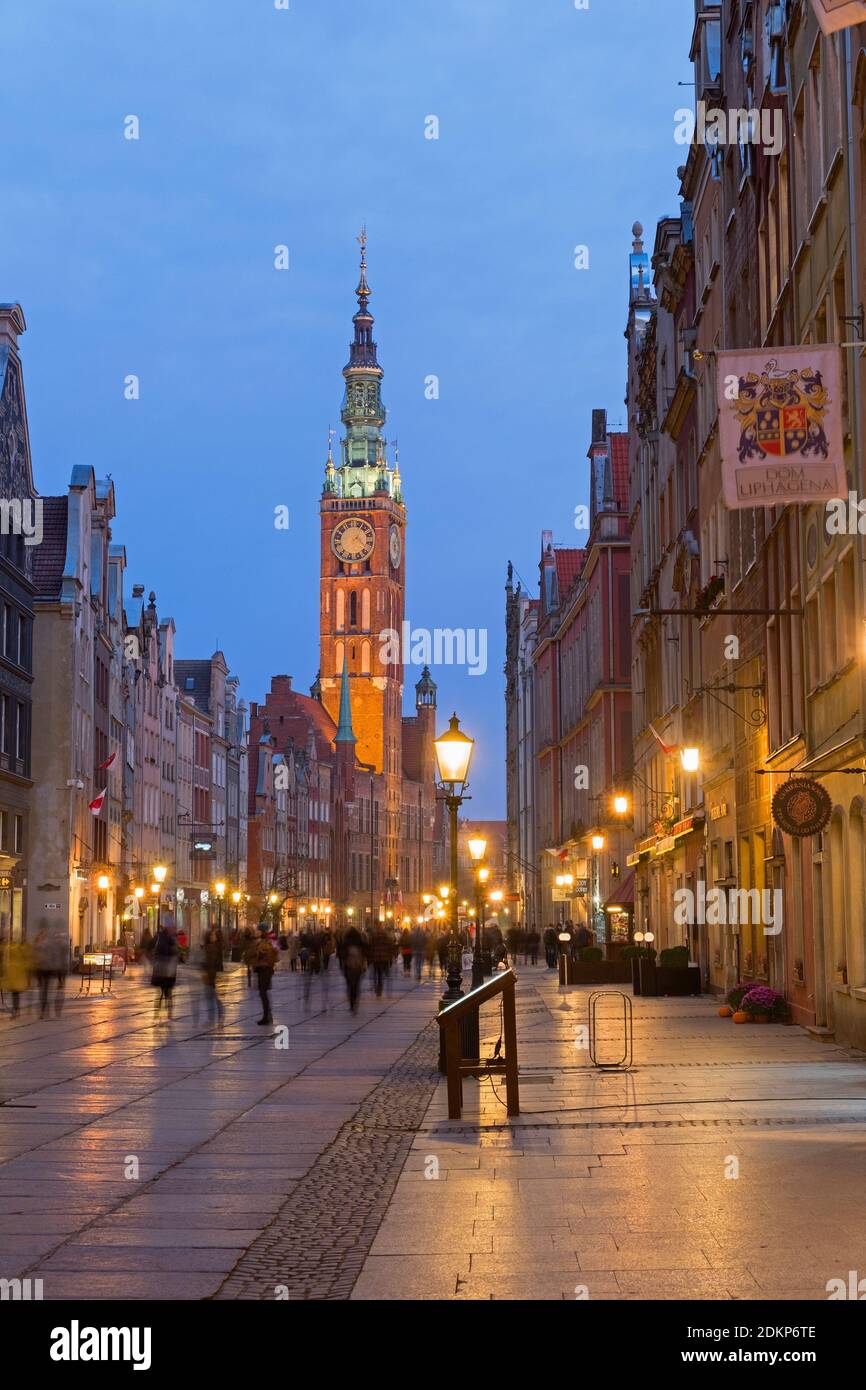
x,y
627,1023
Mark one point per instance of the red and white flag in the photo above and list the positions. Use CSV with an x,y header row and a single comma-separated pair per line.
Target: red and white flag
x,y
665,747
780,425
102,767
560,854
96,804
838,14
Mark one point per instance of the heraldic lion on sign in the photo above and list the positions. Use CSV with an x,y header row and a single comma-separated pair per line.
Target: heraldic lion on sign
x,y
782,416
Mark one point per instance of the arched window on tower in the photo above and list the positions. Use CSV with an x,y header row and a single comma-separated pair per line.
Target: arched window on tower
x,y
341,610
365,658
339,653
353,609
365,610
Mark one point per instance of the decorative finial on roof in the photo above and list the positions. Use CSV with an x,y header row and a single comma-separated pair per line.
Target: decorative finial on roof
x,y
363,291
637,233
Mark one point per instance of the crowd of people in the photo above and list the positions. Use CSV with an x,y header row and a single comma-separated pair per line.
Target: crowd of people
x,y
377,953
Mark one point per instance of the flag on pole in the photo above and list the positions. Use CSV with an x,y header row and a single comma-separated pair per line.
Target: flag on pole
x,y
838,14
560,854
96,804
666,748
102,767
780,425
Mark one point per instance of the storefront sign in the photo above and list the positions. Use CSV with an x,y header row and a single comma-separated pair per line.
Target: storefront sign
x,y
5,881
665,844
719,810
581,887
802,807
632,859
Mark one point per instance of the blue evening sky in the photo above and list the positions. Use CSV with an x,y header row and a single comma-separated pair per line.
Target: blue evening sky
x,y
262,126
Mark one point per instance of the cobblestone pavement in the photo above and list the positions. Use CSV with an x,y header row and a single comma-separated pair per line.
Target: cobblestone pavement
x,y
151,1159
727,1163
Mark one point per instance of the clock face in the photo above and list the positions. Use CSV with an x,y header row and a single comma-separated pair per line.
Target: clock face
x,y
353,540
395,547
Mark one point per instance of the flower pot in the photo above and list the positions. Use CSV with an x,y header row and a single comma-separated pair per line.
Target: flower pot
x,y
725,1011
740,1017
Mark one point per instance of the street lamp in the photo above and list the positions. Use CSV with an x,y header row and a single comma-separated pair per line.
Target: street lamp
x,y
477,850
236,899
620,805
691,759
453,756
220,890
159,873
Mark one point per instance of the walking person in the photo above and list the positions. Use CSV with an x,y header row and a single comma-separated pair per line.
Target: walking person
x,y
164,972
248,952
418,946
212,966
354,965
15,963
52,963
264,964
380,952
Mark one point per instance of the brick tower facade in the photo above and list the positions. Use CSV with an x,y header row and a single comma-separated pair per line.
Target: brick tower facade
x,y
363,568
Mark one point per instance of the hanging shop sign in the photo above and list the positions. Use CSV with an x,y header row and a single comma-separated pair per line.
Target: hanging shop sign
x,y
802,807
780,425
833,15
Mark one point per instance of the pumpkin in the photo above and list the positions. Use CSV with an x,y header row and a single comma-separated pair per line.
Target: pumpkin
x,y
741,1017
725,1011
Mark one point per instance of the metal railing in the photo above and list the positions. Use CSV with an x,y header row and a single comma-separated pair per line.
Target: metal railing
x,y
456,1066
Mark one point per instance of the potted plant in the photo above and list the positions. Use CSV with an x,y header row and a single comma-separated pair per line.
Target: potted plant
x,y
735,996
764,1005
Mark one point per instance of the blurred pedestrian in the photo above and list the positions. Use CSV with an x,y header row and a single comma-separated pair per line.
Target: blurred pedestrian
x,y
354,965
16,961
249,944
51,949
264,964
164,972
380,952
212,966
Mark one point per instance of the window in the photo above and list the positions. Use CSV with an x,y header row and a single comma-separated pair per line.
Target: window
x,y
19,835
189,683
829,643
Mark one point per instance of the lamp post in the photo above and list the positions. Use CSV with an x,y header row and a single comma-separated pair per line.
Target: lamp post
x,y
453,756
236,899
477,849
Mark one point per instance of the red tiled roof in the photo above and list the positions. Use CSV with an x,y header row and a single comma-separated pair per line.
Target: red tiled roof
x,y
619,469
49,558
569,563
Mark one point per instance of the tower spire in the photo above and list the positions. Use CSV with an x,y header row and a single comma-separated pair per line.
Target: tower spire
x,y
345,732
362,352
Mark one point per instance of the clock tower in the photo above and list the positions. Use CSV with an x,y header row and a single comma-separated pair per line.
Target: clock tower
x,y
363,568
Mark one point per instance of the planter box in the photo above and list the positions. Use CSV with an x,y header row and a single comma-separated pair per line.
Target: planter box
x,y
657,980
594,972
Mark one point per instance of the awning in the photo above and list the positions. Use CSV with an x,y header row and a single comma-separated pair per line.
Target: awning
x,y
623,898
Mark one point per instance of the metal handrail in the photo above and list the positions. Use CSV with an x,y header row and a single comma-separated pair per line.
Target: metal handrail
x,y
456,1067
